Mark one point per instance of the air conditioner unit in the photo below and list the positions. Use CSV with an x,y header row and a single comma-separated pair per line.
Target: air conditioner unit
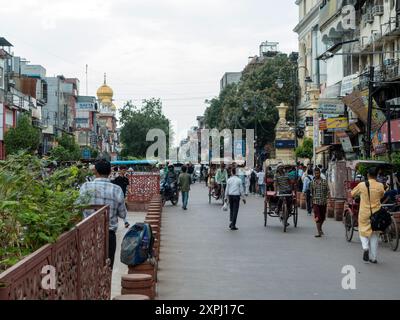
x,y
388,62
369,18
378,10
376,35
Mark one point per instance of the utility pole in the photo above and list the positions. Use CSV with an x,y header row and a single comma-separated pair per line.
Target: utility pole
x,y
87,80
370,105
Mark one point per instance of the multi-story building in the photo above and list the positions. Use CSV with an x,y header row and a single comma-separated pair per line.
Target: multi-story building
x,y
21,91
59,112
86,122
311,72
339,43
7,111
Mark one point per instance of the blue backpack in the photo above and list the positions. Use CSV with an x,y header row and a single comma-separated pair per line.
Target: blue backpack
x,y
137,245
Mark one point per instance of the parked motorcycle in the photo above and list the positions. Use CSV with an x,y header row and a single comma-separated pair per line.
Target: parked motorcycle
x,y
169,192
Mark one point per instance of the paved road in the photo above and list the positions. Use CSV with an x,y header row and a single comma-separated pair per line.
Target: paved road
x,y
202,259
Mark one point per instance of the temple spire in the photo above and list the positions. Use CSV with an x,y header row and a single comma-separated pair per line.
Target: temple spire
x,y
105,78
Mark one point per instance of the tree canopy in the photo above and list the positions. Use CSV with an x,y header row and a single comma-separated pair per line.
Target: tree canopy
x,y
24,137
254,100
306,149
67,149
137,122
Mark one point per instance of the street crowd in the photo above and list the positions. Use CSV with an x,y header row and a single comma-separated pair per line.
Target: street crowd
x,y
233,184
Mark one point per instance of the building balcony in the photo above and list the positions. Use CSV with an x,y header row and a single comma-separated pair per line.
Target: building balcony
x,y
388,71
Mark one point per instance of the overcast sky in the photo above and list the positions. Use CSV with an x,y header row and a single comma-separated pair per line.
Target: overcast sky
x,y
176,50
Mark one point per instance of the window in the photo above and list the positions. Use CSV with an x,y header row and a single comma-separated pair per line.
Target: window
x,y
1,77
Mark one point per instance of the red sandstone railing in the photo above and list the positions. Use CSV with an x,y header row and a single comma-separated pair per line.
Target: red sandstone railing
x,y
80,259
143,186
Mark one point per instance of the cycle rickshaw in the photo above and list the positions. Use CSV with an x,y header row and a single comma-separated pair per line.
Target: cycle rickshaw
x,y
274,200
214,190
355,172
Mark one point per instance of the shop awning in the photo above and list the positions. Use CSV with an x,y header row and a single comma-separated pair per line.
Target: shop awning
x,y
322,149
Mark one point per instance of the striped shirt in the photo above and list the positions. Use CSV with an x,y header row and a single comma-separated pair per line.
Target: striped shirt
x,y
319,191
102,192
282,181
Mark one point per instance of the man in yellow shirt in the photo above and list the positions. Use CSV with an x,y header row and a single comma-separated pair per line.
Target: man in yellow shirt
x,y
369,202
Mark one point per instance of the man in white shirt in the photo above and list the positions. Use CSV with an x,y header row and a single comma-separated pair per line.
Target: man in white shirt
x,y
261,182
234,190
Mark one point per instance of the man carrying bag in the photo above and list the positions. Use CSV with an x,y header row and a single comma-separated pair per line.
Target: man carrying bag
x,y
371,192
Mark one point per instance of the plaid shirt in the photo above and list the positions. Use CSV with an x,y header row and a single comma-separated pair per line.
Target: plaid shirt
x,y
102,192
319,192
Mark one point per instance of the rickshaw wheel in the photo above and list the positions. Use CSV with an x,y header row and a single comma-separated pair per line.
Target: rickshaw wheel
x,y
266,210
349,225
284,215
393,235
295,216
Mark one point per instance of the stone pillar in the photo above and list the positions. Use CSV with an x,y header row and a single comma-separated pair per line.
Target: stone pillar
x,y
284,132
313,94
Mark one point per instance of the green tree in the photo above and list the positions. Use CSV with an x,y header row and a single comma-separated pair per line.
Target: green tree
x,y
24,137
67,149
306,150
254,100
136,123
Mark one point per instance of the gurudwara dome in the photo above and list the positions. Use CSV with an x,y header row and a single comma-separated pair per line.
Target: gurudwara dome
x,y
105,93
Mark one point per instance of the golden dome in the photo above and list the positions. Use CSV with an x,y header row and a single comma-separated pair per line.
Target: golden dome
x,y
113,107
105,93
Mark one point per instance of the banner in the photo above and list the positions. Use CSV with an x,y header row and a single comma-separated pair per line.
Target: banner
x,y
358,102
337,124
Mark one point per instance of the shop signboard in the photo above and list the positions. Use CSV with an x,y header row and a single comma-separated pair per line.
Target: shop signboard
x,y
322,125
331,107
395,131
285,144
316,132
345,141
85,106
348,84
337,124
309,121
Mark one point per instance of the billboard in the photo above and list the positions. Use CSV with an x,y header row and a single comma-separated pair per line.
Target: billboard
x,y
337,124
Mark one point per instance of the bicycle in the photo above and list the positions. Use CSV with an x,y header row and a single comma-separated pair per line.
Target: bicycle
x,y
273,201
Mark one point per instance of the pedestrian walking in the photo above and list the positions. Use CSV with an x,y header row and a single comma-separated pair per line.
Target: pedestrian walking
x,y
371,192
253,181
184,182
122,181
234,192
307,190
102,192
261,182
190,171
320,194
